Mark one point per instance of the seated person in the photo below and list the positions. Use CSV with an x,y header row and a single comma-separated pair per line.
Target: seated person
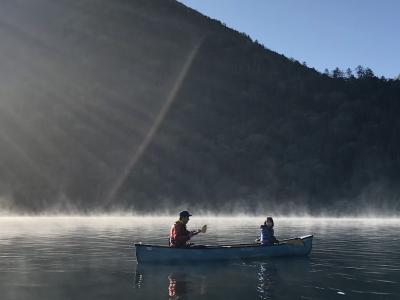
x,y
267,233
179,235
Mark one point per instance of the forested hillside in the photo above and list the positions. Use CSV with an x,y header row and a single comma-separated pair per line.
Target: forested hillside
x,y
84,86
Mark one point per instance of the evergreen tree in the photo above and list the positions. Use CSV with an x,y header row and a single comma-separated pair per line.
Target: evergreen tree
x,y
337,73
349,73
360,71
368,73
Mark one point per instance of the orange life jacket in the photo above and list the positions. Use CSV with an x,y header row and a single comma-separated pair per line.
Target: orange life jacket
x,y
179,235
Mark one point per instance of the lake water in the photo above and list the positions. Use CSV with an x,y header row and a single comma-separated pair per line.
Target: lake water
x,y
93,258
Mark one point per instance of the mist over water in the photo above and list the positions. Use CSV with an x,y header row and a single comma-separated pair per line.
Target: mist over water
x,y
93,257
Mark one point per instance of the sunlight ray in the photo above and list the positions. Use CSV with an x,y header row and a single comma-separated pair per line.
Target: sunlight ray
x,y
161,115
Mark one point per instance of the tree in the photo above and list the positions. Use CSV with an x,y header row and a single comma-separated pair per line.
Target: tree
x,y
360,71
349,73
368,73
337,73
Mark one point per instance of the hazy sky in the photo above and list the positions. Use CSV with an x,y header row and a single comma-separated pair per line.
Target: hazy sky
x,y
324,33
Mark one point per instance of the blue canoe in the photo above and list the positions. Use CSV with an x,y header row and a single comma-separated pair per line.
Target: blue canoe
x,y
163,254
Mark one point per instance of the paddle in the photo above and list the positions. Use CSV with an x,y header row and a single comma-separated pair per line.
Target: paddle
x,y
202,230
294,242
194,232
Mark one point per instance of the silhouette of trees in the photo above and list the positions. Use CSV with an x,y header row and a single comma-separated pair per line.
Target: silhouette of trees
x,y
360,71
368,73
364,73
349,73
337,73
248,127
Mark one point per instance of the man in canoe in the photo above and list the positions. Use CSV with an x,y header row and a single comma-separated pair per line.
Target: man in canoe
x,y
179,235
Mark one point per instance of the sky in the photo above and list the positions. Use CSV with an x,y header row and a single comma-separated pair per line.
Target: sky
x,y
323,33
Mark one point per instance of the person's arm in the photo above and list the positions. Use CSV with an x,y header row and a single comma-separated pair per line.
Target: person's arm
x,y
194,232
274,240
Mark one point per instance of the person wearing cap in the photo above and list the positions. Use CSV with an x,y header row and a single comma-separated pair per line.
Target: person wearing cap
x,y
179,235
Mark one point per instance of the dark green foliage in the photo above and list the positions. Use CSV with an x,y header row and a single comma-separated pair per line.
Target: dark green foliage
x,y
337,73
248,126
349,73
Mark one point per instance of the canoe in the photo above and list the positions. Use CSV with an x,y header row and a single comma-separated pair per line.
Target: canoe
x,y
145,253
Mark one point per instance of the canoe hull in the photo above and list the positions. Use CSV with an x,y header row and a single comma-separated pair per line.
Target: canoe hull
x,y
163,254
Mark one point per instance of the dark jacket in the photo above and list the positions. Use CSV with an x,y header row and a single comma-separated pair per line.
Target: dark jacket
x,y
179,235
267,235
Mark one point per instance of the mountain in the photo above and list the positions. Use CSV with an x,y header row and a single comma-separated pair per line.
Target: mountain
x,y
149,105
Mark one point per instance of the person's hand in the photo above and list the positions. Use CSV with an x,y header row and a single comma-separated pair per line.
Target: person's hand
x,y
194,232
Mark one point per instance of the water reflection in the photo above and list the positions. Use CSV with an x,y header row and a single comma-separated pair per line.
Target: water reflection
x,y
262,280
178,285
138,280
177,281
266,278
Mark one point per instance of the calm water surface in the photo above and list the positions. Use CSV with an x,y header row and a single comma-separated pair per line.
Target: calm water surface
x,y
93,258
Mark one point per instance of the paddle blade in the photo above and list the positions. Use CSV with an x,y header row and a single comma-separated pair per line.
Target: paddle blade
x,y
204,229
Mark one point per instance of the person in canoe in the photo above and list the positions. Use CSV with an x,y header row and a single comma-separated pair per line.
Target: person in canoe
x,y
267,236
179,236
